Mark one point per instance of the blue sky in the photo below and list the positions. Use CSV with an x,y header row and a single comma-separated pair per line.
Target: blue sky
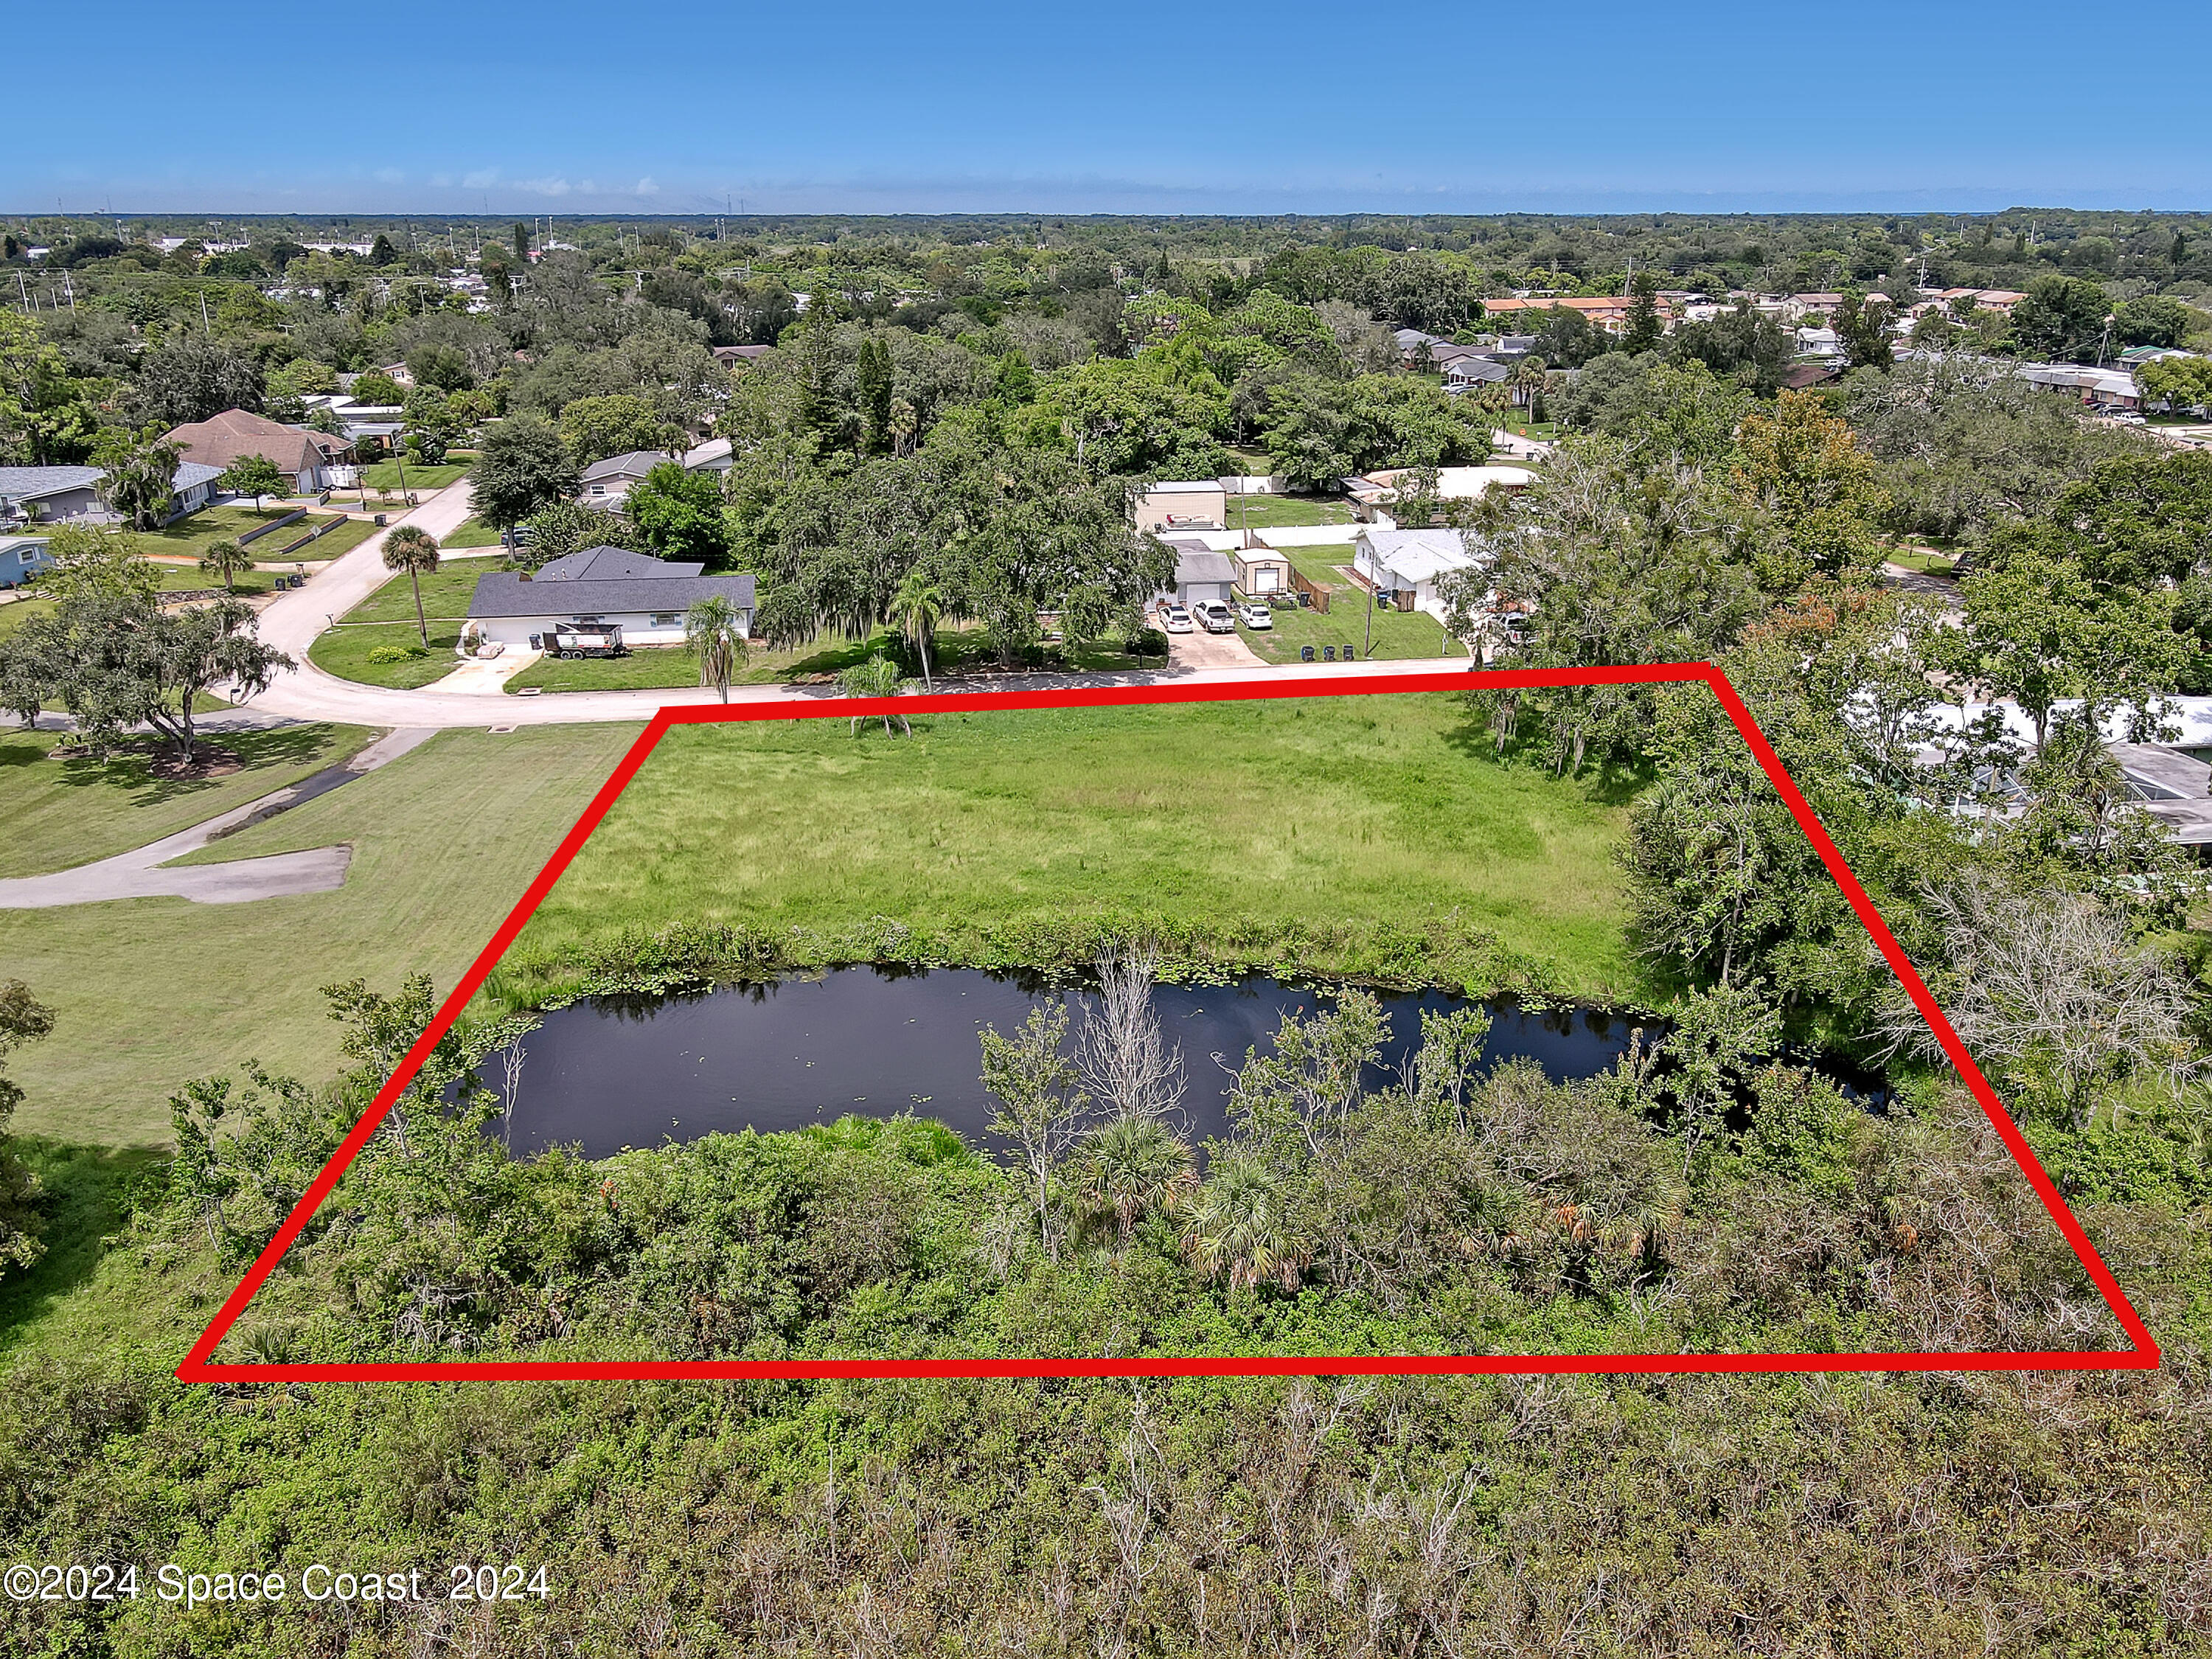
x,y
555,107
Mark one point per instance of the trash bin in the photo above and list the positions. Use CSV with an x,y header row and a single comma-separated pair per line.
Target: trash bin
x,y
380,521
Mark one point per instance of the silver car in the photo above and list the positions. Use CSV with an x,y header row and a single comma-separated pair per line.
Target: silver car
x,y
1255,616
1214,616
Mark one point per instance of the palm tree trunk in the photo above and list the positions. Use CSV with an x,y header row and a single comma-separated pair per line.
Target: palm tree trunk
x,y
421,623
926,683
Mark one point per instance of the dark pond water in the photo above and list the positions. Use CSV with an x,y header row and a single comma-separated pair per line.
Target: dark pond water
x,y
615,1073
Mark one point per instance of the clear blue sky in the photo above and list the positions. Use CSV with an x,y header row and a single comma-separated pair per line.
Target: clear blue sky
x,y
556,105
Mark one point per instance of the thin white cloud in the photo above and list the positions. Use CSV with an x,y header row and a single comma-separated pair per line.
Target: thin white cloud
x,y
481,178
555,187
388,175
647,187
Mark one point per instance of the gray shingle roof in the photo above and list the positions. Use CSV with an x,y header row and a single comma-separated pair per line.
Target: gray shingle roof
x,y
194,473
1195,563
635,464
608,564
20,482
503,594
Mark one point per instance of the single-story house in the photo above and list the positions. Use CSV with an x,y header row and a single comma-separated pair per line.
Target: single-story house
x,y
647,597
736,356
1261,571
1184,504
1609,315
1401,562
1200,574
193,487
1465,374
48,495
608,482
712,456
2105,388
23,558
310,457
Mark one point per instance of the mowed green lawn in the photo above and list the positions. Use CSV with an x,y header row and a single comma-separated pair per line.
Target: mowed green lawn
x,y
388,617
152,992
1382,815
193,537
1280,512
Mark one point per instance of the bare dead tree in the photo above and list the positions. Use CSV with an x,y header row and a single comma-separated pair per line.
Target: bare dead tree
x,y
1123,1057
2055,995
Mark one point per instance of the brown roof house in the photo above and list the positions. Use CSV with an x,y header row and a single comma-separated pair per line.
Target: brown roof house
x,y
310,457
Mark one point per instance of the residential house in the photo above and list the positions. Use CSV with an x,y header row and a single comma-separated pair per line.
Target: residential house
x,y
1200,574
606,483
311,459
1403,566
1821,345
1471,373
1803,377
2102,388
1262,572
716,455
1608,314
48,495
1182,504
648,598
192,489
738,356
23,558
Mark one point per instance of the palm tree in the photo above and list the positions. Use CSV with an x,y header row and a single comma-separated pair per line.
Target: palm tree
x,y
1527,380
415,552
1134,1166
714,633
879,677
914,611
223,560
1237,1228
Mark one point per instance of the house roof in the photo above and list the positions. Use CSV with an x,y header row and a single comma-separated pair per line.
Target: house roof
x,y
24,483
1186,487
191,473
505,594
1485,369
610,564
706,454
1420,555
743,353
635,465
1800,376
1197,563
235,435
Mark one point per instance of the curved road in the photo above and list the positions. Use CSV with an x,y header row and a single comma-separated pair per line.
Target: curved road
x,y
294,619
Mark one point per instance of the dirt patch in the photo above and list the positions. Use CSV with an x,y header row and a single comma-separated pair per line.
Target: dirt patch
x,y
207,762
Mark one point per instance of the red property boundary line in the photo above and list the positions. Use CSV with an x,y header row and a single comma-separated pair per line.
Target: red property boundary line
x,y
200,1367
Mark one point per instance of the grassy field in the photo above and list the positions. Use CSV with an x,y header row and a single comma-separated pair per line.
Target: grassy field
x,y
471,532
1395,633
1285,512
1369,828
388,617
193,537
1928,561
54,815
16,612
385,476
190,578
151,992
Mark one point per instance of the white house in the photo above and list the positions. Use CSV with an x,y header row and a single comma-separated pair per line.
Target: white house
x,y
713,456
646,596
23,558
606,482
1375,491
1403,566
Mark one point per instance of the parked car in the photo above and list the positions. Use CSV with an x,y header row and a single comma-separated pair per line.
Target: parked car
x,y
1215,618
1175,619
1255,616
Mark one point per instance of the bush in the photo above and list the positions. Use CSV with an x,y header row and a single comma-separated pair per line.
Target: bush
x,y
397,653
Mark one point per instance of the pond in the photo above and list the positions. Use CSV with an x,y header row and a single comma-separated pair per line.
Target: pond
x,y
612,1073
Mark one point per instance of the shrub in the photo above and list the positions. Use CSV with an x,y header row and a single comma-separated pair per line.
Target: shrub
x,y
397,653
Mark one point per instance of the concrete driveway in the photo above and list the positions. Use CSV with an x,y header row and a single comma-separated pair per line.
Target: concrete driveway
x,y
1199,649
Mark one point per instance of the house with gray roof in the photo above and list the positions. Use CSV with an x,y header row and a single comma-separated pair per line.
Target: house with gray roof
x,y
1200,574
606,482
646,597
48,495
